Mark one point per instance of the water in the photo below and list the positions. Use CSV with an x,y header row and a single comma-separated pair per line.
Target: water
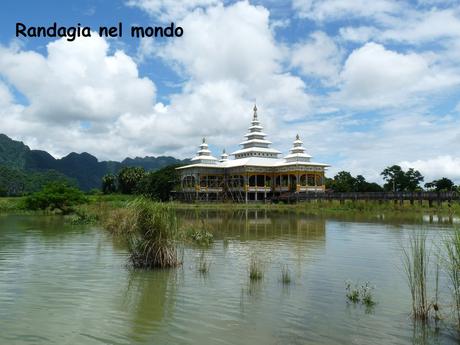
x,y
63,284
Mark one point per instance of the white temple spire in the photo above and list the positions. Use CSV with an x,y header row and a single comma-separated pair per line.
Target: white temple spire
x,y
297,152
203,155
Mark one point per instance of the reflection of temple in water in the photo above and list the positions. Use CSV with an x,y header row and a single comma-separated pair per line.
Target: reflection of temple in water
x,y
258,224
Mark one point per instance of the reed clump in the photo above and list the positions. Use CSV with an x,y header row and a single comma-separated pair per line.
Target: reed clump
x,y
415,261
256,269
452,267
151,230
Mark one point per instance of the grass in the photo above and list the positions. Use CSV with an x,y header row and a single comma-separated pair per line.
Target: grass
x,y
360,293
285,275
152,233
452,267
256,270
415,261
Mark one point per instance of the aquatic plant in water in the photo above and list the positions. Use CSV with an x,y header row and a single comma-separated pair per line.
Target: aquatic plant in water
x,y
452,267
285,275
152,232
255,269
360,293
415,262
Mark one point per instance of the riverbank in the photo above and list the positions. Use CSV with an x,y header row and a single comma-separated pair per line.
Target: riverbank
x,y
113,201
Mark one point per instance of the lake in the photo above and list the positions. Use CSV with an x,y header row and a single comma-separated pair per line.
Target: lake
x,y
67,284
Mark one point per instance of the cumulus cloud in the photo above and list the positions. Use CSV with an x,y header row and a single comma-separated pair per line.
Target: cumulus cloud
x,y
167,10
376,77
327,10
77,81
318,57
436,167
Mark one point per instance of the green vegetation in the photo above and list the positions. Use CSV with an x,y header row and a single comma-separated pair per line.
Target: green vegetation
x,y
152,232
345,182
285,275
55,196
399,180
82,168
200,236
442,185
357,293
256,270
415,261
452,267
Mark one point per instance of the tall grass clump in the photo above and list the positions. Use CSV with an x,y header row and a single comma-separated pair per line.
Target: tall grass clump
x,y
152,232
452,267
256,270
415,263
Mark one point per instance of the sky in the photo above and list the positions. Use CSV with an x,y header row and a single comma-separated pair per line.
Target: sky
x,y
366,84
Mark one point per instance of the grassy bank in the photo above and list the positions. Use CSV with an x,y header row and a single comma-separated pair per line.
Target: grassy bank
x,y
101,204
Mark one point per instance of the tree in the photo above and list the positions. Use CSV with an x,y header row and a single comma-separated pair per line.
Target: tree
x,y
128,179
399,180
442,185
57,195
109,184
343,182
159,184
361,185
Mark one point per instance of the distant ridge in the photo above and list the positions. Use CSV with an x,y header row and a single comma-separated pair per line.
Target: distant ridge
x,y
83,168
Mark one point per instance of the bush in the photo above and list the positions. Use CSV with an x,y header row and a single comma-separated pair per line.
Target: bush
x,y
55,196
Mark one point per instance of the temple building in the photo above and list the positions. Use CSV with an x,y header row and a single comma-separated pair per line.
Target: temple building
x,y
255,173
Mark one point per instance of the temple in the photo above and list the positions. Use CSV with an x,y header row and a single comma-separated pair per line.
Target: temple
x,y
256,172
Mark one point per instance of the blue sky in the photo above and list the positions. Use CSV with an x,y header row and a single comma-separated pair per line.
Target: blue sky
x,y
365,84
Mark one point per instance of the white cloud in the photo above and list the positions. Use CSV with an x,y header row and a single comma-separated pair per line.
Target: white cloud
x,y
436,167
327,10
170,10
318,57
375,77
77,81
360,34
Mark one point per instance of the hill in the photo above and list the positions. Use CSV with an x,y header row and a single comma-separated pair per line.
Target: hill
x,y
83,168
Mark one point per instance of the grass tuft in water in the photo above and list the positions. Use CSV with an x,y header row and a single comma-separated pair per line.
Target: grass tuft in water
x,y
285,275
363,293
151,230
452,268
256,271
415,262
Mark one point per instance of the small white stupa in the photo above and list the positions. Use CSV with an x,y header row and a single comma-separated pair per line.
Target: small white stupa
x,y
203,155
297,152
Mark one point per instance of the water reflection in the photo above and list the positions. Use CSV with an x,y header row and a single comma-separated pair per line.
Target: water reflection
x,y
149,299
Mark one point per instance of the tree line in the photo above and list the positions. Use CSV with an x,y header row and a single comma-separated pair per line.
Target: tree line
x,y
396,180
136,180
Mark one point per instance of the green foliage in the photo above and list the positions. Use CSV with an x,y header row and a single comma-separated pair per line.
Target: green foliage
x,y
399,180
152,232
416,260
159,184
363,293
109,184
345,182
53,196
452,268
15,182
442,185
129,178
200,236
